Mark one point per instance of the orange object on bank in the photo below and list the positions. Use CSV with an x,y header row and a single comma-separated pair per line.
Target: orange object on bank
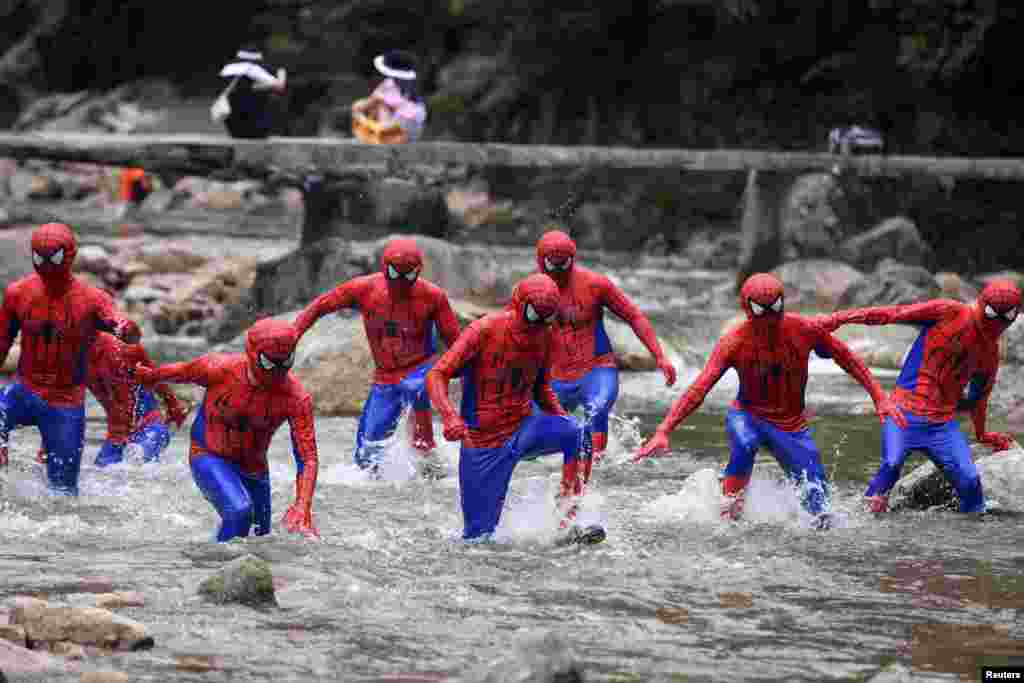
x,y
134,184
373,132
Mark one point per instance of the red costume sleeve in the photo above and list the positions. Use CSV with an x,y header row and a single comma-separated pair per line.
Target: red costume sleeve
x,y
615,299
718,363
851,363
109,319
926,312
304,440
199,371
9,324
344,296
447,323
164,391
450,364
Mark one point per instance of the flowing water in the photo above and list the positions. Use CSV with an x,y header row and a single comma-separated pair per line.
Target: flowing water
x,y
390,593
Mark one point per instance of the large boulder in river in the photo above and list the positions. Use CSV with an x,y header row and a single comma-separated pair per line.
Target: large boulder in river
x,y
246,580
891,283
896,238
85,626
1002,477
816,283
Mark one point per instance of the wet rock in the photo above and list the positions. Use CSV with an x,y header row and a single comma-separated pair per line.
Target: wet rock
x,y
896,238
247,580
12,633
25,185
715,250
15,659
891,283
632,355
92,258
816,283
952,286
159,201
1002,475
895,673
119,600
199,663
1015,418
164,257
544,658
85,626
1012,342
104,677
67,650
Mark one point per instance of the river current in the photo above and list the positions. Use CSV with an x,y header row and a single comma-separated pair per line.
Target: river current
x,y
390,593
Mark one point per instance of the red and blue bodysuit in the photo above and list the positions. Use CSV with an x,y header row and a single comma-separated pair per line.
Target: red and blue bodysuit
x,y
58,317
583,368
248,396
504,360
951,366
769,352
401,313
133,412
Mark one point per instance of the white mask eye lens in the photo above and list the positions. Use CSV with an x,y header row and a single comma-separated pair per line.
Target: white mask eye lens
x,y
58,257
531,313
289,361
1011,314
264,362
562,266
412,275
777,305
37,258
757,308
990,312
392,273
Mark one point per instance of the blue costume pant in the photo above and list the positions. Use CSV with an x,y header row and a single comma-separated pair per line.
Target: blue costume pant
x,y
382,411
944,444
795,452
596,391
485,473
62,429
153,438
241,500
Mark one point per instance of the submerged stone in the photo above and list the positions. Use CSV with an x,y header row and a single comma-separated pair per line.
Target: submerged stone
x,y
246,580
1002,476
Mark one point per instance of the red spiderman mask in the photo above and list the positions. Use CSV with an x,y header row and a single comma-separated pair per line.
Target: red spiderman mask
x,y
762,298
535,301
556,253
998,306
270,348
401,264
130,332
53,252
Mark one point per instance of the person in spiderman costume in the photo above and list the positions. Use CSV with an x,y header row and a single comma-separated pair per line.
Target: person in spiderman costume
x,y
951,367
248,396
400,312
583,368
504,360
769,352
58,316
133,413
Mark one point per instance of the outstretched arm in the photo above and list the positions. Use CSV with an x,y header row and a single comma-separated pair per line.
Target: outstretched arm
x,y
855,367
998,441
345,296
199,371
176,412
718,363
299,517
922,313
615,299
466,347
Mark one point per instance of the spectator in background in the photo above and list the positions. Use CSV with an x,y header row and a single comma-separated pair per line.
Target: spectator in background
x,y
249,108
135,185
396,99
